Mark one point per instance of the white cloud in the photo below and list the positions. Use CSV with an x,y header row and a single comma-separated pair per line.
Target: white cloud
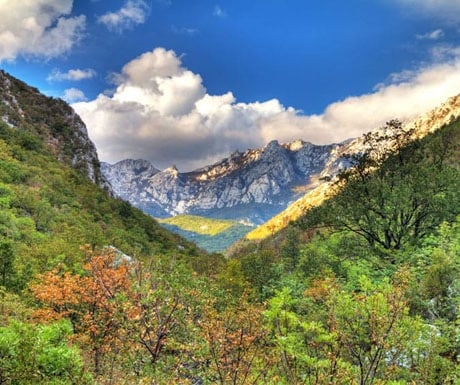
x,y
73,75
73,95
38,28
433,35
133,12
160,111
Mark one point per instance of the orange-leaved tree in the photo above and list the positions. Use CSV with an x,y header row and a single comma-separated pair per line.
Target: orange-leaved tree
x,y
97,303
236,342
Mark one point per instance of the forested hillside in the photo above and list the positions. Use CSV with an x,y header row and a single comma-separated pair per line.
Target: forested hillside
x,y
365,287
362,290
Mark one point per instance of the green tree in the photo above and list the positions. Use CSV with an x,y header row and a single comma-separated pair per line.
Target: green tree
x,y
307,347
361,337
39,355
397,190
260,270
290,250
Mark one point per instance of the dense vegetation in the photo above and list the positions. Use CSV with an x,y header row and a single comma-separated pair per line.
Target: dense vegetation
x,y
94,292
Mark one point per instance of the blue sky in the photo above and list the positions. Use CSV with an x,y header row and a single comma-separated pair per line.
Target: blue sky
x,y
187,82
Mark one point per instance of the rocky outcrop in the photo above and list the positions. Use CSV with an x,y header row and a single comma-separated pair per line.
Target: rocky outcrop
x,y
62,130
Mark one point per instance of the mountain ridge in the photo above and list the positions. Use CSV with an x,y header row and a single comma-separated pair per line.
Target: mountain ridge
x,y
264,176
54,202
425,124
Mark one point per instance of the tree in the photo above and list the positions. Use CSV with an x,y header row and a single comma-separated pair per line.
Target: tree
x,y
140,315
40,354
164,300
290,250
7,270
307,347
361,337
397,190
259,269
236,341
96,303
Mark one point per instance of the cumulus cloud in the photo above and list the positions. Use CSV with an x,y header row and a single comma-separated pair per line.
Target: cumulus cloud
x,y
433,35
38,28
133,12
73,95
161,111
72,75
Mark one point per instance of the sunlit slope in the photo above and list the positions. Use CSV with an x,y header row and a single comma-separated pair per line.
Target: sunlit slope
x,y
210,234
293,212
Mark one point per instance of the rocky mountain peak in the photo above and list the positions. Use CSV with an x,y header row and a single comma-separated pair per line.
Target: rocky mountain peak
x,y
172,170
438,117
295,145
273,144
244,180
425,124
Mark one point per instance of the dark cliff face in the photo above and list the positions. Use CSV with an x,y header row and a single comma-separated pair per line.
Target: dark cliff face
x,y
56,123
240,186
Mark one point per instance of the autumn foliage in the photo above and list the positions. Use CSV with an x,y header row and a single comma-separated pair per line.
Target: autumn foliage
x,y
96,303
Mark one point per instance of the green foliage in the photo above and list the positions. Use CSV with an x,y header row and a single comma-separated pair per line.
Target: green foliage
x,y
376,303
437,268
7,271
39,355
307,349
49,210
291,249
360,337
396,198
260,271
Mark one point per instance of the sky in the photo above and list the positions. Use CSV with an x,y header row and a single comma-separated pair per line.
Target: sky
x,y
187,82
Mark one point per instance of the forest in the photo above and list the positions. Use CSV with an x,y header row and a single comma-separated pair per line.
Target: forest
x,y
364,289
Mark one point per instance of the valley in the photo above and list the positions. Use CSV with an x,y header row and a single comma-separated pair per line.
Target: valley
x,y
338,259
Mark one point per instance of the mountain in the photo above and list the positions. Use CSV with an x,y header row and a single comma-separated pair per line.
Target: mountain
x,y
427,123
253,185
74,313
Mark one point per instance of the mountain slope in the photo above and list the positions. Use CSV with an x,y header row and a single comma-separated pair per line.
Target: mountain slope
x,y
212,235
57,124
428,123
50,206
